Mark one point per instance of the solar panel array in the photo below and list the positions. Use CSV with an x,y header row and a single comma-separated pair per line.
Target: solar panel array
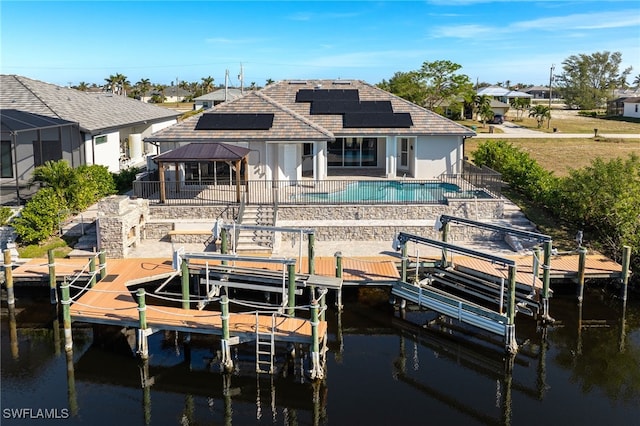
x,y
355,113
376,119
221,121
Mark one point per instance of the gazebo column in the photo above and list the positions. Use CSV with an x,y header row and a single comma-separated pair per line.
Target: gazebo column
x,y
163,196
246,176
238,164
177,179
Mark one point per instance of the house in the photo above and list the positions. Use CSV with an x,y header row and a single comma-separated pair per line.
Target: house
x,y
631,107
541,92
42,121
216,97
170,93
502,94
320,127
499,107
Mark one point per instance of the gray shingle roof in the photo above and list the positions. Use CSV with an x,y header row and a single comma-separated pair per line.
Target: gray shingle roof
x,y
93,111
294,122
204,151
219,95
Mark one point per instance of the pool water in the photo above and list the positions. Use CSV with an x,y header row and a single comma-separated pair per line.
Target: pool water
x,y
390,192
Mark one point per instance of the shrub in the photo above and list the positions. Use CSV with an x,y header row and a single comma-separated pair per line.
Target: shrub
x,y
5,215
124,179
39,218
91,183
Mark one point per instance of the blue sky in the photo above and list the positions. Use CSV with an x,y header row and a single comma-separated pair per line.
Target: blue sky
x,y
493,41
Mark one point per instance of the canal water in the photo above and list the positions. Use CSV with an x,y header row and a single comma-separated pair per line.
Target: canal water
x,y
384,367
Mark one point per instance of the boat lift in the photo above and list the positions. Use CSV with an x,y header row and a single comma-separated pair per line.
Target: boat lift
x,y
456,307
543,239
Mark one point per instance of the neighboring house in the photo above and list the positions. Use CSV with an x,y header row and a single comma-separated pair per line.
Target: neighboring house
x,y
499,107
171,94
631,107
541,92
64,123
317,127
502,94
216,97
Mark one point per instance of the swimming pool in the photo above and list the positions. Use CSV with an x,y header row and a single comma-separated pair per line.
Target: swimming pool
x,y
393,192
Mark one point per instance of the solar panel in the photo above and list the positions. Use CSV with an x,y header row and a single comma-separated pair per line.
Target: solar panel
x,y
376,119
219,121
310,95
342,106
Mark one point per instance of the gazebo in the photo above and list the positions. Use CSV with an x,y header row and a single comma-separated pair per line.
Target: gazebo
x,y
203,152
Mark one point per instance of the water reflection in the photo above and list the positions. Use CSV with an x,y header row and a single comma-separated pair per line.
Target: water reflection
x,y
383,369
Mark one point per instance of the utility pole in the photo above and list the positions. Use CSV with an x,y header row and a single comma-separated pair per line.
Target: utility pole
x,y
550,91
226,85
241,78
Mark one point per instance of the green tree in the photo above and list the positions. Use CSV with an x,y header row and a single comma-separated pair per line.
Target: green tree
x,y
520,105
144,85
407,85
57,175
540,113
82,86
482,107
40,217
587,81
207,84
269,81
605,197
442,82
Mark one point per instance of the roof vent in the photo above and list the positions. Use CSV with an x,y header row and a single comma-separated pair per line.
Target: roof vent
x,y
342,82
297,82
318,86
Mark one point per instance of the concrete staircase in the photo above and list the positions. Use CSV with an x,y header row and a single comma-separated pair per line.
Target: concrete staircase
x,y
513,217
256,240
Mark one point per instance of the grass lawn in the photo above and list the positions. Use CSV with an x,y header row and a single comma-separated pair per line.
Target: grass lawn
x,y
562,155
58,245
580,124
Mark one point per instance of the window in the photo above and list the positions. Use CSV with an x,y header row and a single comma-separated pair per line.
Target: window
x,y
100,139
636,107
307,149
353,152
6,160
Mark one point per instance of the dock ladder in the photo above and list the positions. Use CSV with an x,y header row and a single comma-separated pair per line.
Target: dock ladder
x,y
265,346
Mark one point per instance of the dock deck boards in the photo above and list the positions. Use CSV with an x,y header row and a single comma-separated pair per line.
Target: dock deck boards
x,y
110,302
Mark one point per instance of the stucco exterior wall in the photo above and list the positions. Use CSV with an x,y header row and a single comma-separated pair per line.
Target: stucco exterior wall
x,y
435,155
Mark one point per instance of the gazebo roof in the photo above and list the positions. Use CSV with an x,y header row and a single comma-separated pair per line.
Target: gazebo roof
x,y
205,151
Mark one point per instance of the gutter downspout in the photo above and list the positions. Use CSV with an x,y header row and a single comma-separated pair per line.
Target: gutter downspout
x,y
14,151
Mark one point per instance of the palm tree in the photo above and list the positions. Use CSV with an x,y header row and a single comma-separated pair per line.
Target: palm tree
x,y
482,105
82,86
207,84
160,88
636,81
519,104
540,113
269,81
58,175
144,85
112,82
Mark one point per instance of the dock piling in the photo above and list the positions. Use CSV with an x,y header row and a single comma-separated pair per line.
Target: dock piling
x,y
92,270
66,316
316,369
227,362
546,279
510,338
143,347
291,276
185,284
626,259
8,277
52,277
339,271
102,258
311,253
581,268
